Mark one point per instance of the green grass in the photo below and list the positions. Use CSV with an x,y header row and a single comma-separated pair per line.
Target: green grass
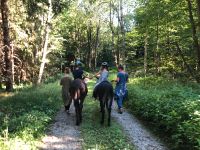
x,y
25,116
170,106
98,136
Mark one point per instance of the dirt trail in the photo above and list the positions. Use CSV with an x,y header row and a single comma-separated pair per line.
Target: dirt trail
x,y
63,134
137,133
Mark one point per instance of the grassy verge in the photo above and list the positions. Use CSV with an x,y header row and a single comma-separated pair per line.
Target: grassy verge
x,y
97,136
25,116
172,107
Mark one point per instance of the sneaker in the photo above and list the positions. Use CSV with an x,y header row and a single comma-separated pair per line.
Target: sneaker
x,y
67,111
120,111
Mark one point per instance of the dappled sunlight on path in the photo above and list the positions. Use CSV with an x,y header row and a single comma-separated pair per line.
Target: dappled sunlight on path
x,y
63,134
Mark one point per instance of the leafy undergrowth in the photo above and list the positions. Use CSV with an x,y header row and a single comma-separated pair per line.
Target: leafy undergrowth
x,y
172,107
98,136
25,116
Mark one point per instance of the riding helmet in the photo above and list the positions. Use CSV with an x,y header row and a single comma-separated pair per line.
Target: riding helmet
x,y
104,64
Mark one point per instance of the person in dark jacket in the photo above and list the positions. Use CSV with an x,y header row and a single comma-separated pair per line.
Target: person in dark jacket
x,y
78,72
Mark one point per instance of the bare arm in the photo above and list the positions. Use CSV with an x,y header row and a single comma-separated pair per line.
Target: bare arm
x,y
116,80
98,73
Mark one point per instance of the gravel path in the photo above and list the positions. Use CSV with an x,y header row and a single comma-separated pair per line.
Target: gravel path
x,y
137,133
63,134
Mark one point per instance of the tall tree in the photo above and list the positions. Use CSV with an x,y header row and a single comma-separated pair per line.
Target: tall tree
x,y
89,38
96,45
7,47
45,50
198,12
111,17
123,31
120,16
194,33
145,52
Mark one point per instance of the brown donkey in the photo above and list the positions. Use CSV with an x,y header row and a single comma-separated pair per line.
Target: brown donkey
x,y
104,93
78,92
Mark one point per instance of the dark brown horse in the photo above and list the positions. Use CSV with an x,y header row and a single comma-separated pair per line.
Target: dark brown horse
x,y
104,93
78,92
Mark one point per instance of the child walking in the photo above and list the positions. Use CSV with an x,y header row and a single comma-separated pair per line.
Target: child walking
x,y
121,88
66,82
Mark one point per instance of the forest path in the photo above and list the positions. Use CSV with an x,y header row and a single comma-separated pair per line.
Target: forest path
x,y
63,134
139,135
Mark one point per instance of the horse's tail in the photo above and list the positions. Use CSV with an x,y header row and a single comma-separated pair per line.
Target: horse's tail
x,y
74,93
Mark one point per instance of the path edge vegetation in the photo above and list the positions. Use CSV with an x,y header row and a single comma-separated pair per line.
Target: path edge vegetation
x,y
169,107
26,115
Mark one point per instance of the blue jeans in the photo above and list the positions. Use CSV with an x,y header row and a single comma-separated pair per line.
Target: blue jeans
x,y
121,98
120,101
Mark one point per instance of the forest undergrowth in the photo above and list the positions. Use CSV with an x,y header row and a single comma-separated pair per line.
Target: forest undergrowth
x,y
170,107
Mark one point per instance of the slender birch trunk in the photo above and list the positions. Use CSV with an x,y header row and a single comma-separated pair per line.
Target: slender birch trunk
x,y
46,42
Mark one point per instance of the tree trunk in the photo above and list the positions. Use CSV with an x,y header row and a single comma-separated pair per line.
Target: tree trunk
x,y
78,43
1,54
46,42
194,34
157,51
89,37
145,53
96,45
198,13
118,48
190,70
12,63
7,48
123,33
111,14
120,17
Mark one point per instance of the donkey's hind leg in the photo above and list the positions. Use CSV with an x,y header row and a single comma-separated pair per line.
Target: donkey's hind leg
x,y
77,110
102,111
81,108
108,106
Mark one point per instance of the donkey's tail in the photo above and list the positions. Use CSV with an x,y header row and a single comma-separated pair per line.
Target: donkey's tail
x,y
74,93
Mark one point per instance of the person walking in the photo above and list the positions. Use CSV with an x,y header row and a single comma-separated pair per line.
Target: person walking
x,y
66,82
121,87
